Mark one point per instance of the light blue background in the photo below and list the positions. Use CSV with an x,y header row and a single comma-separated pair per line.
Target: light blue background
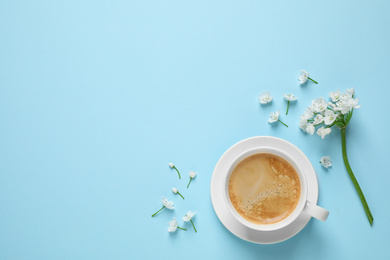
x,y
97,97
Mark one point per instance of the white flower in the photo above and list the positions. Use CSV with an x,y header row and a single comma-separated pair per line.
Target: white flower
x,y
319,105
188,216
353,103
308,113
174,167
167,204
330,117
322,131
347,104
172,225
351,91
318,119
306,116
335,96
274,117
332,105
339,105
303,123
303,77
290,97
265,97
345,96
310,128
326,161
192,174
174,190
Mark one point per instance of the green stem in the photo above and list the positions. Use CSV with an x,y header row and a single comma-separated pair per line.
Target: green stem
x,y
282,122
288,105
158,211
182,228
193,225
189,183
180,195
313,80
352,176
174,167
319,124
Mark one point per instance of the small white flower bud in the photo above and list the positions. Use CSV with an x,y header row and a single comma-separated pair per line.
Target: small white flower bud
x,y
192,174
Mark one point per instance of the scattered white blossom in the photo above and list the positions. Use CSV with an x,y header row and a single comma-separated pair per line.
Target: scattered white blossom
x,y
304,76
192,175
188,217
174,190
326,161
166,204
274,117
289,98
265,97
174,167
173,226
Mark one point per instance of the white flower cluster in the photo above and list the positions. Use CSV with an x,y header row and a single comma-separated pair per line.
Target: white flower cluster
x,y
337,112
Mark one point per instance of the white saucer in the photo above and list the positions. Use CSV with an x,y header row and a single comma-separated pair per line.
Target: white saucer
x,y
217,190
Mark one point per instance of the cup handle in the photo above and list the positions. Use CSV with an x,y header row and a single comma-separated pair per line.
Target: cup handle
x,y
315,211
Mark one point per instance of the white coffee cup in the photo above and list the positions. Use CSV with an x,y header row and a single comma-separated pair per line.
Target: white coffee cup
x,y
304,206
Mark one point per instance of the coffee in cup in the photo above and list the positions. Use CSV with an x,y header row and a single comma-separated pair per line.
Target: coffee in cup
x,y
264,188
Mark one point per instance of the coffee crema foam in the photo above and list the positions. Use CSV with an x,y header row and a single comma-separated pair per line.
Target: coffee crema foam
x,y
264,188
